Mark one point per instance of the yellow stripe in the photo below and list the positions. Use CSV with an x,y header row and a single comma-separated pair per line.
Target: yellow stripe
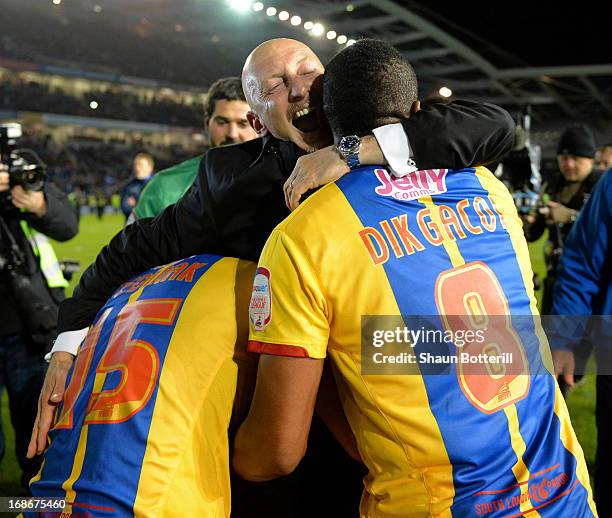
x,y
185,468
520,470
134,296
77,468
36,477
569,440
79,456
451,247
502,201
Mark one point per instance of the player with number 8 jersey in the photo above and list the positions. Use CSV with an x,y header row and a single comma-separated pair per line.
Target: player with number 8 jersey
x,y
442,248
143,428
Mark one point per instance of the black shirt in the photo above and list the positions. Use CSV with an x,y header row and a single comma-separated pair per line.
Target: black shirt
x,y
237,199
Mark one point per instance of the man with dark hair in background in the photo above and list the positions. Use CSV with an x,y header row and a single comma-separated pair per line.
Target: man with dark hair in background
x,y
440,242
225,121
143,167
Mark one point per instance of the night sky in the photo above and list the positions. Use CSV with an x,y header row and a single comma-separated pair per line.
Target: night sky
x,y
536,32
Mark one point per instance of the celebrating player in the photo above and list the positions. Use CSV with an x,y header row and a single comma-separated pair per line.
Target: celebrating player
x,y
143,428
495,441
237,200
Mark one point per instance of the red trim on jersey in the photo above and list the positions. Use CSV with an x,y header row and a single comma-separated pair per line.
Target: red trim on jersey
x,y
294,351
90,506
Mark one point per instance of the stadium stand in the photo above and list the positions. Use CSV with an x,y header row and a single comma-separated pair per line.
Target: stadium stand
x,y
19,94
91,165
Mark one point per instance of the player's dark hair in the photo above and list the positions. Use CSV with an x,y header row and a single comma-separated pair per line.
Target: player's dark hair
x,y
367,85
225,89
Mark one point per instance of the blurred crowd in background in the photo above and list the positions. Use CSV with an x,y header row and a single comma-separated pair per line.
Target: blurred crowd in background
x,y
90,169
17,94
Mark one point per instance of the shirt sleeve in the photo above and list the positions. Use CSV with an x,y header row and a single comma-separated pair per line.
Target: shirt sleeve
x,y
582,268
61,221
288,309
584,255
145,204
68,342
459,134
395,146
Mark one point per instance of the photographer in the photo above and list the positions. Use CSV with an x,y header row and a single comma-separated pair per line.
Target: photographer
x,y
31,284
562,198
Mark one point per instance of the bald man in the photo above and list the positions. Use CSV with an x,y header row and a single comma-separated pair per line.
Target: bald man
x,y
286,110
238,198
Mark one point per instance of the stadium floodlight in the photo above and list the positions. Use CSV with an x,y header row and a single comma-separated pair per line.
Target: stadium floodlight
x,y
240,5
350,42
350,8
317,29
57,2
445,91
97,9
314,29
93,104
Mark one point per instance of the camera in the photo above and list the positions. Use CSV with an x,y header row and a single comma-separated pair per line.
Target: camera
x,y
30,174
69,267
520,174
520,169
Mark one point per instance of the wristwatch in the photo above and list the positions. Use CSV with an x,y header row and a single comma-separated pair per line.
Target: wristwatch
x,y
349,147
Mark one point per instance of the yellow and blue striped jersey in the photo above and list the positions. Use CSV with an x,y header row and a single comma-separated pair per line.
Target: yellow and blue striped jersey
x,y
434,247
142,430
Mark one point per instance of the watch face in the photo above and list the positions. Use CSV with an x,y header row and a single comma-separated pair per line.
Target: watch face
x,y
349,144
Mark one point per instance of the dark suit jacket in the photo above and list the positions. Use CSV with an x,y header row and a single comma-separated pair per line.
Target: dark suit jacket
x,y
237,199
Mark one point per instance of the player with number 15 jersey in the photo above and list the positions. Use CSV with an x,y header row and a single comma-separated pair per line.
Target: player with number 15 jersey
x,y
143,428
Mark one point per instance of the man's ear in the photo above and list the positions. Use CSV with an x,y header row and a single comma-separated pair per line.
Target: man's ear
x,y
206,120
416,106
256,124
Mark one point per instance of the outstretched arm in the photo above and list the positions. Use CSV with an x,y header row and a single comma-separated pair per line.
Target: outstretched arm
x,y
179,231
454,135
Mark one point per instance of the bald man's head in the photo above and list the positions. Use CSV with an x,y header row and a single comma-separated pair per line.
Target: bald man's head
x,y
281,79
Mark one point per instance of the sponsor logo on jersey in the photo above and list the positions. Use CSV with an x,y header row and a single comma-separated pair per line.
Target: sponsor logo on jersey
x,y
260,309
417,184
